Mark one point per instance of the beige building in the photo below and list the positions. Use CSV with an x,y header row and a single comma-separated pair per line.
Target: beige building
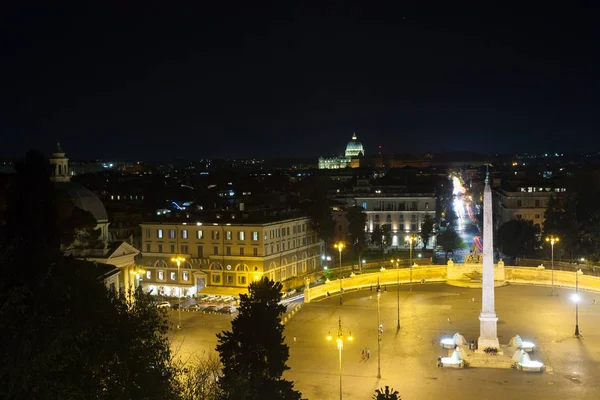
x,y
523,202
404,212
219,254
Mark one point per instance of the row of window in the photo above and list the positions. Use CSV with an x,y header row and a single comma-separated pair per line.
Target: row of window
x,y
538,203
184,249
388,218
215,235
276,248
160,275
275,233
394,206
413,227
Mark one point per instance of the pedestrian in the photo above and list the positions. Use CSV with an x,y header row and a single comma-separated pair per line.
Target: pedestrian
x,y
363,354
371,288
448,319
439,362
368,353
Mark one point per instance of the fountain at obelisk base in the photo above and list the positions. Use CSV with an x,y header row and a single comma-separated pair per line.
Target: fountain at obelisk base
x,y
487,353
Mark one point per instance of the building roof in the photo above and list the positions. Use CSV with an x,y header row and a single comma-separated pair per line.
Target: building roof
x,y
83,198
253,217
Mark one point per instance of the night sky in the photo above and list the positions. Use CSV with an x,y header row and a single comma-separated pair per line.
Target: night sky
x,y
147,80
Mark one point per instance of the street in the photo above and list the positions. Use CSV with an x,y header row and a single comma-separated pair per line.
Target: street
x,y
408,358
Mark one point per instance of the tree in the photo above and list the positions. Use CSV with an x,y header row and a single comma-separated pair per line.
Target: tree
x,y
357,220
427,228
381,237
450,217
387,394
253,353
449,241
199,379
518,238
319,211
64,334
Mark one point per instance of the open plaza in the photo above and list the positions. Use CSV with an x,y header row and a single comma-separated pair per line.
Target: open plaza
x,y
408,357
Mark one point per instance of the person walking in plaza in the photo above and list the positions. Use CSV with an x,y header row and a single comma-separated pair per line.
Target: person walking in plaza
x,y
368,353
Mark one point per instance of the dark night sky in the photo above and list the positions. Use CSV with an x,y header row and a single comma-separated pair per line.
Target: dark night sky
x,y
133,81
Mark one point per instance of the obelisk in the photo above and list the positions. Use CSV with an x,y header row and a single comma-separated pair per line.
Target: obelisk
x,y
488,336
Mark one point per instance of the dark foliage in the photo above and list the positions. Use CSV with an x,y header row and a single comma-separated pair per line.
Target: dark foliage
x,y
253,353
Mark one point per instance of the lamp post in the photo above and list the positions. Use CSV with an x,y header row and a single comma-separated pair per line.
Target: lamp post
x,y
552,240
576,299
340,345
340,247
178,260
397,289
379,331
411,239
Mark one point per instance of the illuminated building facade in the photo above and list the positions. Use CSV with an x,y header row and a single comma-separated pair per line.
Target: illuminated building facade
x,y
354,149
220,254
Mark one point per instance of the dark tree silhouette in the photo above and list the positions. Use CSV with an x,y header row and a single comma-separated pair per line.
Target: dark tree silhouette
x,y
381,237
357,220
253,353
518,238
386,394
449,241
427,228
64,334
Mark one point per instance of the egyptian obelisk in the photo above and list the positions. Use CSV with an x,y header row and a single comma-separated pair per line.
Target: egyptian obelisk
x,y
488,336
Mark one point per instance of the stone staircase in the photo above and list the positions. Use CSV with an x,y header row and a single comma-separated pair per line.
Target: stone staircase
x,y
482,360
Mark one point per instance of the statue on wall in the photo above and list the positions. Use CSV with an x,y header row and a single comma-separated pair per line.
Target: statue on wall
x,y
474,256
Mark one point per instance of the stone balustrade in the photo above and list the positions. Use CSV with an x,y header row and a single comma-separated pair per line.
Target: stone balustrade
x,y
442,273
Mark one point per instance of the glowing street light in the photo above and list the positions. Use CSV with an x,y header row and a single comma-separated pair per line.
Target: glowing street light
x,y
340,345
397,261
552,240
340,247
411,239
379,331
576,299
178,260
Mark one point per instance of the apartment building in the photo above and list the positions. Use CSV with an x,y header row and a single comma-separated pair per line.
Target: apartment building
x,y
523,202
226,254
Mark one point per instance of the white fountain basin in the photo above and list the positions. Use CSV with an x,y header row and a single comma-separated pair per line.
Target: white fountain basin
x,y
527,346
531,366
447,343
451,362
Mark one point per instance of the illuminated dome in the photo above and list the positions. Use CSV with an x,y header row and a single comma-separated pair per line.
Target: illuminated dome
x,y
354,148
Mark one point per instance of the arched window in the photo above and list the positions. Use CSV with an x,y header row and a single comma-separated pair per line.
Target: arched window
x,y
187,265
216,267
160,264
242,268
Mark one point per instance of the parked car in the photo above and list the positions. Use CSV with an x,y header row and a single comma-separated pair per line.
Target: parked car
x,y
163,304
195,307
209,309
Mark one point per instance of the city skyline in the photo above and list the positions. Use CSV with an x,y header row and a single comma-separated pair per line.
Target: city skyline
x,y
280,82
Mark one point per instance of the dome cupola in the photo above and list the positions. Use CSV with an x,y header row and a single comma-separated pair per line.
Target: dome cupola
x,y
354,147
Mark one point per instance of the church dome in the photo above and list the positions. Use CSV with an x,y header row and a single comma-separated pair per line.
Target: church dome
x,y
354,148
83,198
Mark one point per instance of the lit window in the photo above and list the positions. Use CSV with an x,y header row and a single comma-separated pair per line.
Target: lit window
x,y
255,236
173,276
186,275
171,233
148,274
241,235
199,234
161,275
159,233
228,235
184,234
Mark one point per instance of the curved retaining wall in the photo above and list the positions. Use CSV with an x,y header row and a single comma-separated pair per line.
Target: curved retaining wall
x,y
436,273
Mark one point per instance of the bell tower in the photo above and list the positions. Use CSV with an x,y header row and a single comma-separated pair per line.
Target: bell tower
x,y
60,166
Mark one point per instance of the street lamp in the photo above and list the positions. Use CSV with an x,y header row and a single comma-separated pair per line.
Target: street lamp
x,y
552,240
178,260
379,331
340,345
340,247
576,298
397,289
411,239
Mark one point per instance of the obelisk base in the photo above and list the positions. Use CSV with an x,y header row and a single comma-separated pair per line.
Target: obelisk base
x,y
488,332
